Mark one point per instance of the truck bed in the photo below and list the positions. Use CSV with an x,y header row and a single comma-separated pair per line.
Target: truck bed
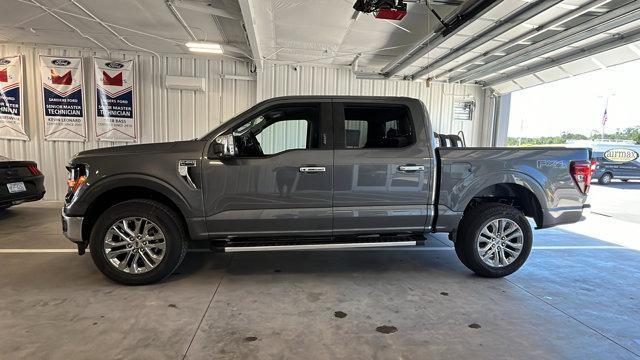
x,y
466,173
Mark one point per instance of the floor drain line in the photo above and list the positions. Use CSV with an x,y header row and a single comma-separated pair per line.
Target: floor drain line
x,y
206,311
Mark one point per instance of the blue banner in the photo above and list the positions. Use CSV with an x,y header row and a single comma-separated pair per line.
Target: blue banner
x,y
62,98
11,119
115,108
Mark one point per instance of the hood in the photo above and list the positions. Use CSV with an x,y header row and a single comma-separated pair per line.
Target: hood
x,y
138,149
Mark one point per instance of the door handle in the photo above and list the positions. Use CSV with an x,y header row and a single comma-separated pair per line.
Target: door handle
x,y
411,168
312,169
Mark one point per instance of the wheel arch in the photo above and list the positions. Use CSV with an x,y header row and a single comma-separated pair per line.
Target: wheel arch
x,y
512,194
509,187
106,193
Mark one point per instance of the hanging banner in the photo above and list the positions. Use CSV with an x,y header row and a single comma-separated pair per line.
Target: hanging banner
x,y
115,119
11,107
63,101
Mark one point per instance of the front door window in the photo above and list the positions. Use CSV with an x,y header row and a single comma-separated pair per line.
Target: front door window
x,y
277,131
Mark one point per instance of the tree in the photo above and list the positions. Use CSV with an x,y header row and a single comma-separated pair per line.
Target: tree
x,y
632,133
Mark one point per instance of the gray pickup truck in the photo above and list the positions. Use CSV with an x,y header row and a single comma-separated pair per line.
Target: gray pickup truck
x,y
317,173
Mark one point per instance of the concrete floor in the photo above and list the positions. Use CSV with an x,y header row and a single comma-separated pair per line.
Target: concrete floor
x,y
577,297
618,199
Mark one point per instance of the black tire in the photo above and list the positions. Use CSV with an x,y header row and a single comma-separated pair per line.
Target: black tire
x,y
469,230
168,222
605,179
459,251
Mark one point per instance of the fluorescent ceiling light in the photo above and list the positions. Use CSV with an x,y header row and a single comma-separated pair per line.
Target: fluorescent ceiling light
x,y
205,50
203,44
205,47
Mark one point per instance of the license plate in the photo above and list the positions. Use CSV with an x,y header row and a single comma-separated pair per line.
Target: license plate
x,y
16,187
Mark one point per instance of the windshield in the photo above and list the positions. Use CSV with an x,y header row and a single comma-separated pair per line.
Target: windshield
x,y
255,126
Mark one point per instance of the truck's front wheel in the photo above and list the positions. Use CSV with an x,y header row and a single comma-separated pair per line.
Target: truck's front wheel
x,y
494,240
138,242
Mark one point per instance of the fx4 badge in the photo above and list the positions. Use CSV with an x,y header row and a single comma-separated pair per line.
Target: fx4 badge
x,y
556,164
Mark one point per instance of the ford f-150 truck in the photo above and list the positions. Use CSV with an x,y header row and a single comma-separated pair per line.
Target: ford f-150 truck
x,y
317,172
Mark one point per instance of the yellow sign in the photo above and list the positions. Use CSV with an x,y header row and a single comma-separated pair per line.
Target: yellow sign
x,y
620,155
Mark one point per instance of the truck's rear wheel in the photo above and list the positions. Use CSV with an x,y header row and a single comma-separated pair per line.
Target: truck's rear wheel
x,y
494,240
138,242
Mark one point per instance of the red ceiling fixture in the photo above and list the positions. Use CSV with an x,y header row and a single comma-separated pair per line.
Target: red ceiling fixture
x,y
391,14
383,9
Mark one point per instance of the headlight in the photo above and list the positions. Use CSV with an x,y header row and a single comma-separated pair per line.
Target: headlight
x,y
77,178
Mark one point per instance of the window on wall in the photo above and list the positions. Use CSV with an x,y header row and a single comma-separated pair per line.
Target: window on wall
x,y
279,130
463,110
377,127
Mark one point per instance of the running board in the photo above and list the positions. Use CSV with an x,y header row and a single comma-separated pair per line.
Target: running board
x,y
319,246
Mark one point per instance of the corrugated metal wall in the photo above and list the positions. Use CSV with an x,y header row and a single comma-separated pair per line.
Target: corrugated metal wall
x,y
168,115
162,114
281,80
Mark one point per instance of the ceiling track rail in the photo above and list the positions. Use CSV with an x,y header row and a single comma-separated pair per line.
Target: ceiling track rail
x,y
595,26
181,20
437,16
435,39
591,5
516,18
601,46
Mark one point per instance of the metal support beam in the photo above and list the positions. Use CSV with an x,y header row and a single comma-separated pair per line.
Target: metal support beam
x,y
236,49
354,63
433,40
590,6
521,15
248,22
616,41
501,119
598,25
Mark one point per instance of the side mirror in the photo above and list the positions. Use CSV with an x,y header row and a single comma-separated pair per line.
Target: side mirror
x,y
222,146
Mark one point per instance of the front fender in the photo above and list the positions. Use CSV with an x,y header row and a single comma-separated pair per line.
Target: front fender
x,y
92,190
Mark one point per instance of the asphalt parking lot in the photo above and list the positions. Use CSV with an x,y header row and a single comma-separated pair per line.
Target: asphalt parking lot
x,y
577,297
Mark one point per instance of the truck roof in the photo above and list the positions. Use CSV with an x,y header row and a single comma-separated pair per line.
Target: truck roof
x,y
341,97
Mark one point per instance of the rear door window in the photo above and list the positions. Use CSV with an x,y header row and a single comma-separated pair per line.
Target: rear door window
x,y
377,127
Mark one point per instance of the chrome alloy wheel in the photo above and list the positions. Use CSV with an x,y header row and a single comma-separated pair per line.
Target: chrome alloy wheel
x,y
134,245
500,242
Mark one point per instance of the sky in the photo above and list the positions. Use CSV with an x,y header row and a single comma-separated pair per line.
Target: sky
x,y
577,104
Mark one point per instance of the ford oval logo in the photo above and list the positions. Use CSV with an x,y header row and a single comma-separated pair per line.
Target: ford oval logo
x,y
60,62
114,65
5,61
620,155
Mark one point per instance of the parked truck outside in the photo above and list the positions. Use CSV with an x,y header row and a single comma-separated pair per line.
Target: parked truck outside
x,y
317,172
